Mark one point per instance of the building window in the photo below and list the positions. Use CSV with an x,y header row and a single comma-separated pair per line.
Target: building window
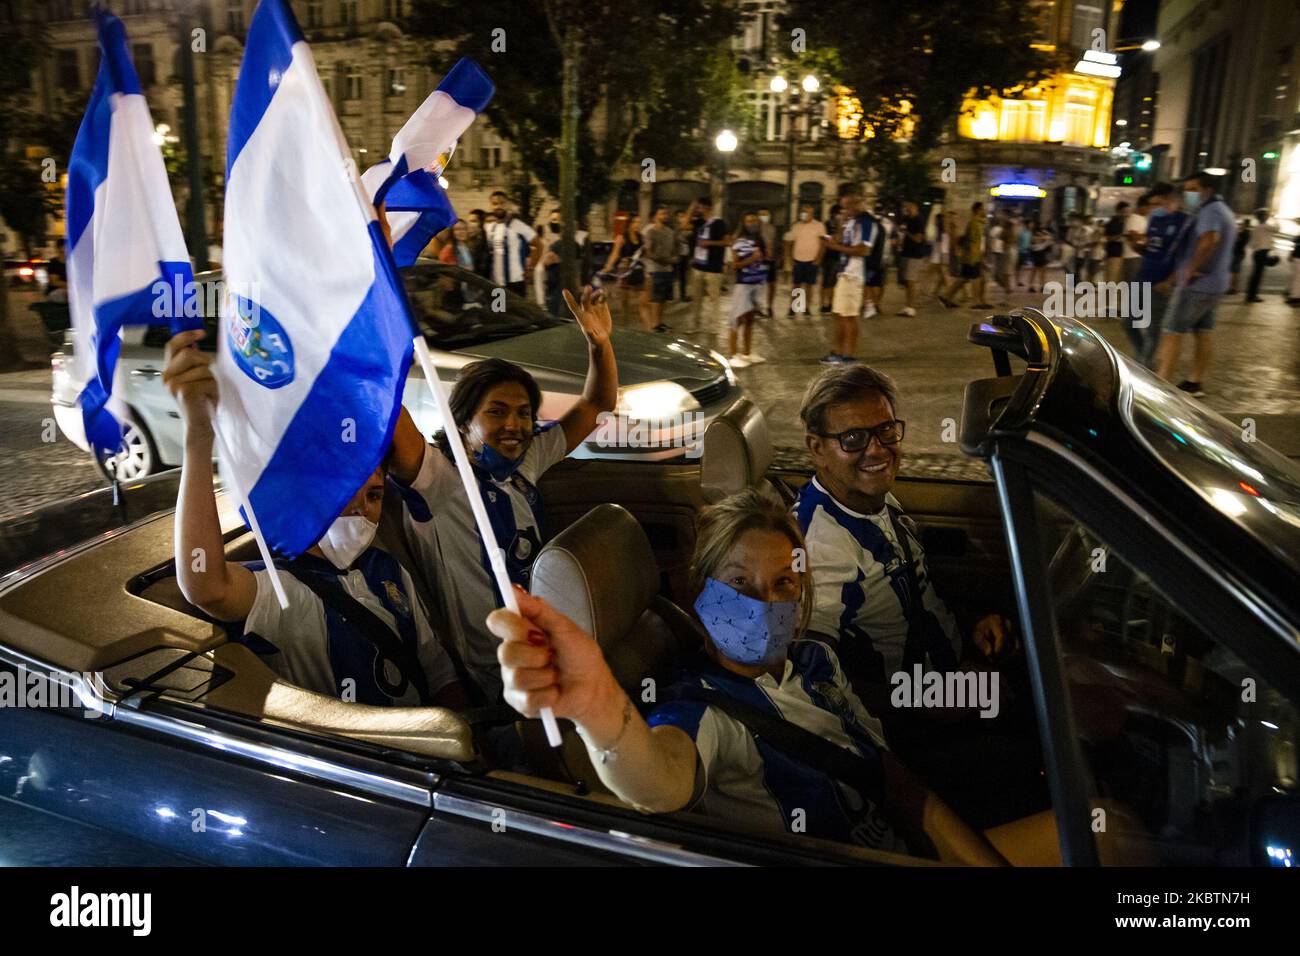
x,y
68,67
352,85
348,14
142,53
393,10
315,13
489,157
234,16
59,10
396,81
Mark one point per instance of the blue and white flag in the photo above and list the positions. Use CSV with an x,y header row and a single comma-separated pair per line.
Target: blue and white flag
x,y
123,236
316,331
407,181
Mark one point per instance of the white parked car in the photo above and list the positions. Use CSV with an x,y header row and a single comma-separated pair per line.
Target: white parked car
x,y
669,389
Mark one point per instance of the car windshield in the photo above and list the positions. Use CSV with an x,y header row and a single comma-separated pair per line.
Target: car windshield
x,y
1239,476
457,308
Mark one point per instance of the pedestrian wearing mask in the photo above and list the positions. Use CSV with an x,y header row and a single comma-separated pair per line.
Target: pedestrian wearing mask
x,y
750,260
803,249
1201,278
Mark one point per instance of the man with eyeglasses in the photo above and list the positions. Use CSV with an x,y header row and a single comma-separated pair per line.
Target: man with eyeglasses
x,y
874,602
872,592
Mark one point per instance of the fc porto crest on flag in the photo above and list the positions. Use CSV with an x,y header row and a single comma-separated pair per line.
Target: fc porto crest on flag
x,y
259,344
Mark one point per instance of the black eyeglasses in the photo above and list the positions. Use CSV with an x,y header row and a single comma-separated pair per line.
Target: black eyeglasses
x,y
856,439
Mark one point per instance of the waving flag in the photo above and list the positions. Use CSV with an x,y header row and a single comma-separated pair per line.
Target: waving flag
x,y
417,207
317,334
123,237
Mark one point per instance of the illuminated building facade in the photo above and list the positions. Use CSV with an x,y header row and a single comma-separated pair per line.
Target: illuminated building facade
x,y
1043,150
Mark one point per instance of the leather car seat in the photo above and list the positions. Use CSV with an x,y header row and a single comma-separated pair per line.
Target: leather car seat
x,y
601,573
736,453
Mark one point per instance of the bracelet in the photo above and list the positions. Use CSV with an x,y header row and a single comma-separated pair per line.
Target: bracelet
x,y
610,753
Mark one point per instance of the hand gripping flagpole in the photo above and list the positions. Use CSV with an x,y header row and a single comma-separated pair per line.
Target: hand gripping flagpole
x,y
496,556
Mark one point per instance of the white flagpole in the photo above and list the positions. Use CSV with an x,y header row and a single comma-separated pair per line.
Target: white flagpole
x,y
228,465
496,556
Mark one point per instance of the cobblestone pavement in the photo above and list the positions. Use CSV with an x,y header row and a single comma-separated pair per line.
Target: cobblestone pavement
x,y
1255,373
34,471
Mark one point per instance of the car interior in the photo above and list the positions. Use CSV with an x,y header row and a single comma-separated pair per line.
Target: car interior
x,y
620,537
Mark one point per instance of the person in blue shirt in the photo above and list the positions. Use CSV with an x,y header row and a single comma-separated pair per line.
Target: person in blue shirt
x,y
1201,277
1165,225
750,258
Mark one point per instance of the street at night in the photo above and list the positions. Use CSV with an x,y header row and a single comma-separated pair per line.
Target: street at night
x,y
699,433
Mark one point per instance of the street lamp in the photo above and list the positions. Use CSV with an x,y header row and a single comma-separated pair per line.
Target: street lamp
x,y
1150,46
793,107
726,143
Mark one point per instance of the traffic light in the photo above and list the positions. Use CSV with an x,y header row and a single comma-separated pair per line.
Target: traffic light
x,y
1143,161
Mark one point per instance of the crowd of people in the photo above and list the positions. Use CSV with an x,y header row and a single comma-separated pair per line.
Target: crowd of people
x,y
840,267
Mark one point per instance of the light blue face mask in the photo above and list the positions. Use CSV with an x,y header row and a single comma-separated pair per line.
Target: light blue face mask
x,y
1192,200
745,629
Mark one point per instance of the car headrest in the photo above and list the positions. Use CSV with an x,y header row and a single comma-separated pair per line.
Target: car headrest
x,y
599,571
737,451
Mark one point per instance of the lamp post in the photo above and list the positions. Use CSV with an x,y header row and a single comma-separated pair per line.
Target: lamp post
x,y
801,107
195,215
726,144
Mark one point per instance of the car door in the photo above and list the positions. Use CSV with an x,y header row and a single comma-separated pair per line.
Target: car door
x,y
1169,698
149,784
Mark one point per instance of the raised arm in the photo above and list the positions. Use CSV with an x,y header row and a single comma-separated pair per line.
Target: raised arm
x,y
548,661
406,454
600,392
218,587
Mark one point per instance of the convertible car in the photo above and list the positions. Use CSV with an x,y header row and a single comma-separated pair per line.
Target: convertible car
x,y
1149,551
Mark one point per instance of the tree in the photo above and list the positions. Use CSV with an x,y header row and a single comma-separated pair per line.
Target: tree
x,y
913,64
635,82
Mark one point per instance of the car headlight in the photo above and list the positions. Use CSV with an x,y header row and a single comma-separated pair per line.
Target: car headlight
x,y
726,366
654,401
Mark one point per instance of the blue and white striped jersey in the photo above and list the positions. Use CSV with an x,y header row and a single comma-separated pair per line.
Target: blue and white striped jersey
x,y
859,590
747,779
312,646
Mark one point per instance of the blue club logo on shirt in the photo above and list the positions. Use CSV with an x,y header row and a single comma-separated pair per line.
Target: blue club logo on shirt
x,y
259,344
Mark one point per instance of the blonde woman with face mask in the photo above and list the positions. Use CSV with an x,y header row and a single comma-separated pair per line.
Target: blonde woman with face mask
x,y
695,750
354,627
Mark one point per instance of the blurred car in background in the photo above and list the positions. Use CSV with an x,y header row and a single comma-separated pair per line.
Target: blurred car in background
x,y
674,386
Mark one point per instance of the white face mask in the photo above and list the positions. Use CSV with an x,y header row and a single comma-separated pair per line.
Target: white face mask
x,y
804,217
764,218
346,539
